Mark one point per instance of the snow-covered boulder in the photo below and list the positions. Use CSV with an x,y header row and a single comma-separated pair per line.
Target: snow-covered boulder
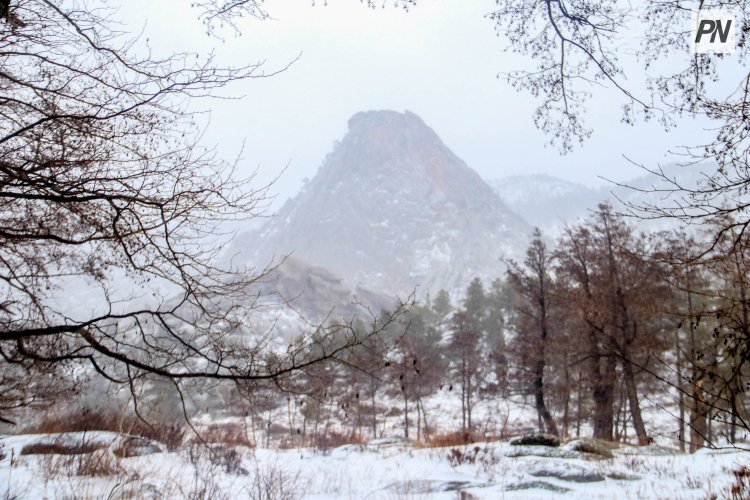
x,y
391,441
136,446
567,472
589,445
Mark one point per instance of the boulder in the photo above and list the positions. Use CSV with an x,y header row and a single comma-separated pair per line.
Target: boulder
x,y
540,451
590,445
622,476
536,485
569,473
536,439
412,487
135,446
389,442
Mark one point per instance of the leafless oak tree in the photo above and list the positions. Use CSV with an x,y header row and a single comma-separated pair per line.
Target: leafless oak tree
x,y
103,181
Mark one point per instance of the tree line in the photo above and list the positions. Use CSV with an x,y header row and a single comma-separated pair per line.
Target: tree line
x,y
597,332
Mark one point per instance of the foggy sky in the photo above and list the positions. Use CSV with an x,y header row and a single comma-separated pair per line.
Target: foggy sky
x,y
440,60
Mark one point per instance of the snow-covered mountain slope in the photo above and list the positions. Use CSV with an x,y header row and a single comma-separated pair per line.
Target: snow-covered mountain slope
x,y
551,202
546,201
392,208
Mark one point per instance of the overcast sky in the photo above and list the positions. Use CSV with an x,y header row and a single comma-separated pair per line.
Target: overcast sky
x,y
440,60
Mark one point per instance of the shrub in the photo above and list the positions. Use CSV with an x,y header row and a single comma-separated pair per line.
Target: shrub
x,y
170,435
485,457
99,463
740,488
273,483
229,434
457,456
334,439
59,448
456,438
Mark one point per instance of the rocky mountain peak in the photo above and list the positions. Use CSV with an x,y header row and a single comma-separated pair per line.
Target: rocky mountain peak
x,y
396,131
392,208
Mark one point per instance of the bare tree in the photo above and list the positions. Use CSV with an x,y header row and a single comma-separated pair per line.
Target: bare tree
x,y
464,355
103,181
533,284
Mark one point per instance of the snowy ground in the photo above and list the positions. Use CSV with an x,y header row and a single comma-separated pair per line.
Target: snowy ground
x,y
386,468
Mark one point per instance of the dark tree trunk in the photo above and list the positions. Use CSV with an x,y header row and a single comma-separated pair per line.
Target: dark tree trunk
x,y
468,404
541,407
698,415
603,410
602,376
631,390
374,409
406,415
698,411
463,395
566,399
681,392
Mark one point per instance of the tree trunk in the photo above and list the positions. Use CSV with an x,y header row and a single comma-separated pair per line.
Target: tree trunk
x,y
579,404
541,407
424,420
290,418
566,399
698,411
635,408
419,422
463,395
374,409
681,392
468,404
698,416
406,415
602,380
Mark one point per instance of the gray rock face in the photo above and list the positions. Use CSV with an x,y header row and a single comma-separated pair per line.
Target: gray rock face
x,y
391,208
314,290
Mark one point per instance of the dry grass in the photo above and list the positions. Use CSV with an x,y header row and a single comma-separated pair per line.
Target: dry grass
x,y
740,488
445,439
334,439
170,435
271,482
228,434
99,463
58,448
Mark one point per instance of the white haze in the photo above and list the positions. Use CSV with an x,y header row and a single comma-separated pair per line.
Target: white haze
x,y
440,60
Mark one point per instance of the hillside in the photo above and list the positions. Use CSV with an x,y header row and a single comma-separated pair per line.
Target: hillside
x,y
392,208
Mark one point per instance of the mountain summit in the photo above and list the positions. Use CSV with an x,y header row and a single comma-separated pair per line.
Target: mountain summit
x,y
391,208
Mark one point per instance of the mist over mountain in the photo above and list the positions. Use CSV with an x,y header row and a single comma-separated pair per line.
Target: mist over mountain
x,y
551,202
546,201
392,208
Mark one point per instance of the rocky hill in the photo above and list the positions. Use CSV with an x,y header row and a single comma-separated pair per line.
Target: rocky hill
x,y
392,208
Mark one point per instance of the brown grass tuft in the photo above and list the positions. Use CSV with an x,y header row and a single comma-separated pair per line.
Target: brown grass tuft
x,y
455,438
170,435
99,463
228,434
57,448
